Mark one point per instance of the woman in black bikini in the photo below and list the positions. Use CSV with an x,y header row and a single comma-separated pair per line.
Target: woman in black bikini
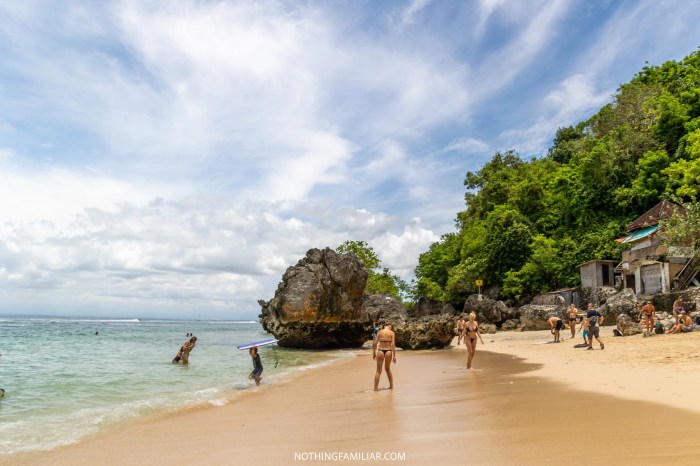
x,y
386,343
472,328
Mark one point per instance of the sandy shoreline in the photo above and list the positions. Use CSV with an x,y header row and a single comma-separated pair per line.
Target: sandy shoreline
x,y
526,404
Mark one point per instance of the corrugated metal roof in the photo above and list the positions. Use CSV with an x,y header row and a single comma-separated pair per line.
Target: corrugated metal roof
x,y
638,234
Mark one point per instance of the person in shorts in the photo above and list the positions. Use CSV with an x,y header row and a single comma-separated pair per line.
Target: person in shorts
x,y
595,318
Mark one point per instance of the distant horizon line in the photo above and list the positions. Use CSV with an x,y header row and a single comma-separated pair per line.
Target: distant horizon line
x,y
93,317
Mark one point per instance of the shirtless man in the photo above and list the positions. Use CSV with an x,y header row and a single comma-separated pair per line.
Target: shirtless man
x,y
685,324
386,343
556,325
647,315
460,330
572,312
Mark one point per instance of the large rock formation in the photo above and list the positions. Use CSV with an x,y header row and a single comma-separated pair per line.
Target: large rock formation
x,y
627,326
622,303
436,331
534,316
318,303
488,311
384,307
428,307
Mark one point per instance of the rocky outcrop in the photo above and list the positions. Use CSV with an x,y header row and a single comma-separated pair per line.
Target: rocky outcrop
x,y
622,303
435,331
597,296
548,299
487,328
384,307
534,316
627,326
488,311
511,324
428,307
319,303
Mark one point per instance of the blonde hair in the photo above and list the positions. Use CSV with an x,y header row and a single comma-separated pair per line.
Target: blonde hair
x,y
471,314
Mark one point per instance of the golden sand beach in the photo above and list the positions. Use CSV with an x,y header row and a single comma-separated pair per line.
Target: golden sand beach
x,y
527,403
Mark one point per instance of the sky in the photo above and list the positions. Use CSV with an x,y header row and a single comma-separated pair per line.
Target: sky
x,y
172,159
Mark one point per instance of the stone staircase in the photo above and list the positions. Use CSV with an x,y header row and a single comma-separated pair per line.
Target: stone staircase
x,y
687,276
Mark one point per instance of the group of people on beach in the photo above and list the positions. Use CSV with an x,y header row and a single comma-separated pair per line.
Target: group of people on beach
x,y
183,356
589,325
683,322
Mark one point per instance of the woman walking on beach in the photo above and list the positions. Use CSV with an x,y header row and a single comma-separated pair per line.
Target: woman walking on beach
x,y
386,343
472,328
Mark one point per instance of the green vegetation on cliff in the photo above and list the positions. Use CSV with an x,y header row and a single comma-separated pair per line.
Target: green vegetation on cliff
x,y
528,223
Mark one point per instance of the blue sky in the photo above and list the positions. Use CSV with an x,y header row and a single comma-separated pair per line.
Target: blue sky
x,y
172,159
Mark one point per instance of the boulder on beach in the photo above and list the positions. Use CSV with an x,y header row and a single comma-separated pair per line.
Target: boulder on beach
x,y
534,316
319,303
427,307
384,307
627,326
488,311
436,331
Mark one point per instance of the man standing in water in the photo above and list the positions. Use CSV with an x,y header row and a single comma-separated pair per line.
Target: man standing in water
x,y
595,319
386,343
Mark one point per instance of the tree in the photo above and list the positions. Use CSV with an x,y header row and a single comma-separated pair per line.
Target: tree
x,y
363,251
377,281
682,229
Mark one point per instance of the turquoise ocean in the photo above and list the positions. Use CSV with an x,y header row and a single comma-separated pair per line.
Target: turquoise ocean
x,y
63,381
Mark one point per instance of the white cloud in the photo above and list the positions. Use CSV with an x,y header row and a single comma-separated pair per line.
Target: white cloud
x,y
467,145
399,252
196,251
406,16
6,153
572,101
534,32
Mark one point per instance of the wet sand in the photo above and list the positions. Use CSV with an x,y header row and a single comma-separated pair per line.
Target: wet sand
x,y
509,411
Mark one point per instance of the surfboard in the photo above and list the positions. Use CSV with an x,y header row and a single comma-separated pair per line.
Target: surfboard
x,y
258,343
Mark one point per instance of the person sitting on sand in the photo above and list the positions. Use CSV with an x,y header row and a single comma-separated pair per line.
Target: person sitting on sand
x,y
677,308
685,324
659,327
460,331
595,318
572,313
386,343
257,365
472,331
555,324
647,314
